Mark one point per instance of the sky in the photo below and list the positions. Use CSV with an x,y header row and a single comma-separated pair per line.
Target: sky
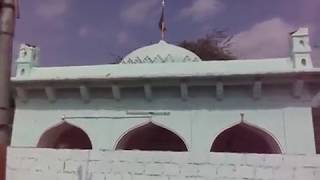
x,y
82,32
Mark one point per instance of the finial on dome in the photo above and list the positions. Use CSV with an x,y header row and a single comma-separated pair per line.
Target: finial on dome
x,y
162,24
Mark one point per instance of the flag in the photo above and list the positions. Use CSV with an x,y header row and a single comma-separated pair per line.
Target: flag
x,y
162,25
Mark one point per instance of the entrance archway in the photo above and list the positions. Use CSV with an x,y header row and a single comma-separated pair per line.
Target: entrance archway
x,y
151,137
65,136
244,138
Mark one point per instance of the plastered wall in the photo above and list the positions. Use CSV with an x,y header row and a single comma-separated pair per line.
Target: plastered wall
x,y
291,127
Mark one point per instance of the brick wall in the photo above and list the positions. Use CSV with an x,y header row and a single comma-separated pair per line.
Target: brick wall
x,y
316,125
48,164
3,154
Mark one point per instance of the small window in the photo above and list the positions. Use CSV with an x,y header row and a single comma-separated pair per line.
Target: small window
x,y
22,72
303,62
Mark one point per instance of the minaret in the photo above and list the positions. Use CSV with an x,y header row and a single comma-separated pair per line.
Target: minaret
x,y
300,49
8,15
28,58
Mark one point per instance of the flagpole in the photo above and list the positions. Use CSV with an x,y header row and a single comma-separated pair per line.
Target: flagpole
x,y
7,26
163,28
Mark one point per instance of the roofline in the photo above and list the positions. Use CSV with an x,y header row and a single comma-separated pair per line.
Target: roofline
x,y
15,80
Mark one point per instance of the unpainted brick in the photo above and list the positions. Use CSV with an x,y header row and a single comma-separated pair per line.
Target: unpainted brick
x,y
49,164
283,173
67,176
311,161
74,166
111,176
125,156
198,158
189,170
304,173
195,178
144,158
120,167
140,177
13,163
145,177
82,155
245,171
98,176
180,158
100,167
274,160
136,168
293,160
255,159
226,171
234,159
171,169
216,158
208,171
154,169
28,164
101,155
162,157
264,173
317,173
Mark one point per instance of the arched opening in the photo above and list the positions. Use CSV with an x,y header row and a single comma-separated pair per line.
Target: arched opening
x,y
244,138
65,136
151,137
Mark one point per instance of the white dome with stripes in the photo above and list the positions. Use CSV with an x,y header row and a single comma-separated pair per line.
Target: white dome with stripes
x,y
161,52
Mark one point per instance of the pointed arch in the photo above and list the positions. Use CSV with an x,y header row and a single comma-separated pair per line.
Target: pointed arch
x,y
245,138
151,137
65,136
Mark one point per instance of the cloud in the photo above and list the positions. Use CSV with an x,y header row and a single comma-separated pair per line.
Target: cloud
x,y
50,9
201,9
265,39
139,10
84,31
90,31
123,38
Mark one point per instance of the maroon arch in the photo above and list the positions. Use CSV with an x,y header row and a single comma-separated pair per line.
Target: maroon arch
x,y
65,136
151,137
244,138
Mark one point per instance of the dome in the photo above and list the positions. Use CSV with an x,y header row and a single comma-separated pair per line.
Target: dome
x,y
161,52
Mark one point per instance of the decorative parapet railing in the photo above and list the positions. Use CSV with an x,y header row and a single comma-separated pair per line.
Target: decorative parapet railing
x,y
50,164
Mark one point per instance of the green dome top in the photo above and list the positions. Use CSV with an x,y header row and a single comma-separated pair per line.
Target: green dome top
x,y
161,52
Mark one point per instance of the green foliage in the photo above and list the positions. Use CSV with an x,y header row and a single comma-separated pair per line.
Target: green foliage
x,y
214,46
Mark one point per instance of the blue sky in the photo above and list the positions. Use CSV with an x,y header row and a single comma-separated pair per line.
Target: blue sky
x,y
82,32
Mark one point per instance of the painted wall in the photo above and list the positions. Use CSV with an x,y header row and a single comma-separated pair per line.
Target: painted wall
x,y
198,120
51,164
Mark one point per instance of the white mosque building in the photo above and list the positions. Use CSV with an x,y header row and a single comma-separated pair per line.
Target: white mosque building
x,y
164,114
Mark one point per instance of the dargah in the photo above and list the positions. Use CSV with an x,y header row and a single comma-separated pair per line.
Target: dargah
x,y
163,113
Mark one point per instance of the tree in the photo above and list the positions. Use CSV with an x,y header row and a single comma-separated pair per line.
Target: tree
x,y
214,46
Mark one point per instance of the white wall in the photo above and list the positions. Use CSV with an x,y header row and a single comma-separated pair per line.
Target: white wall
x,y
51,164
197,121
